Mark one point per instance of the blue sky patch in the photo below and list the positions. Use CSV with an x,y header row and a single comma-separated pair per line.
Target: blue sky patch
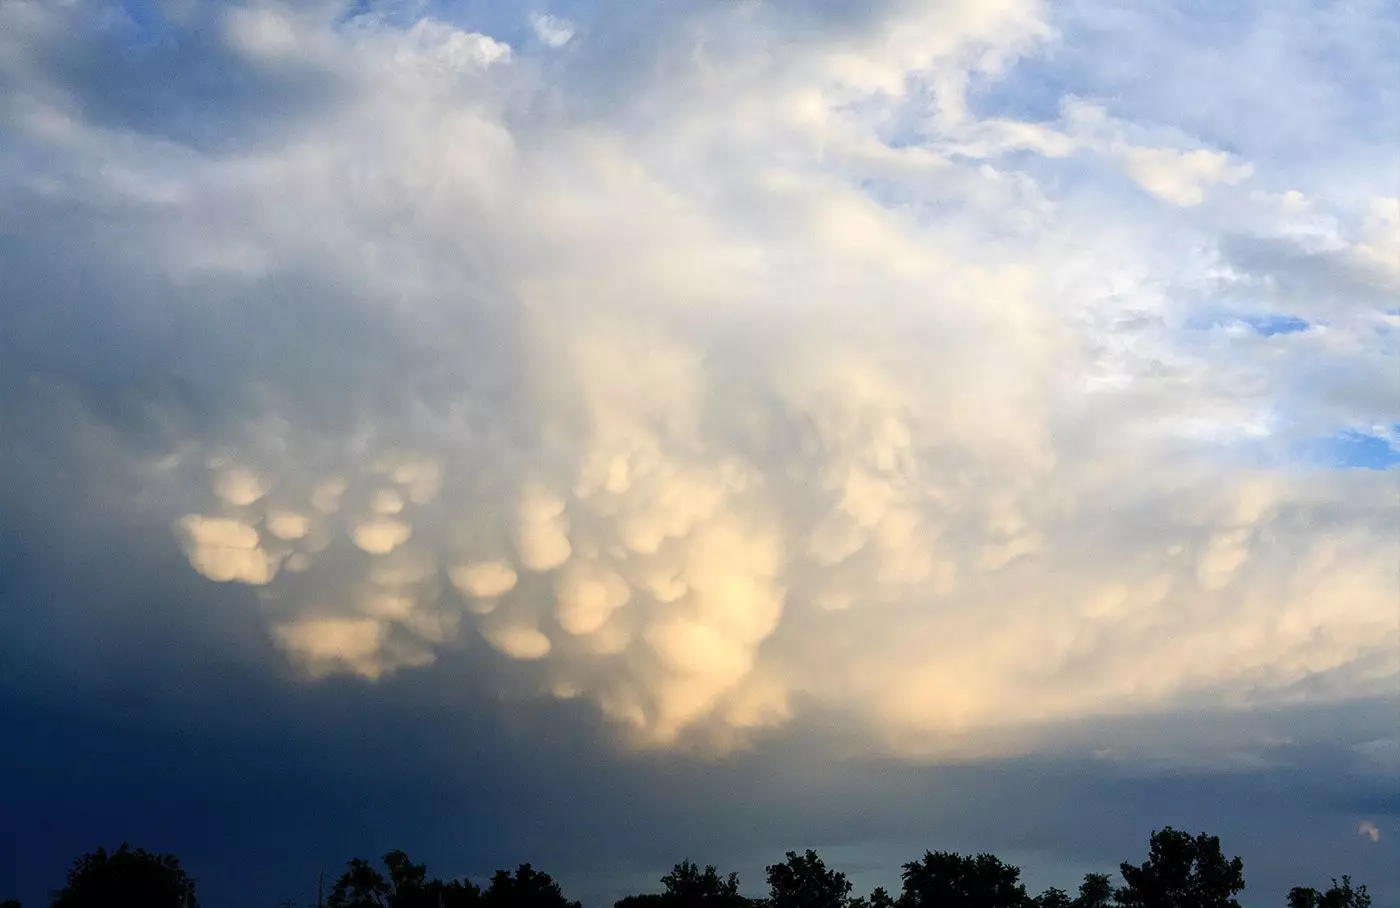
x,y
1351,449
1269,325
1266,324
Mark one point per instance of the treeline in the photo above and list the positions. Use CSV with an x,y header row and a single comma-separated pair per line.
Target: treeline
x,y
1181,871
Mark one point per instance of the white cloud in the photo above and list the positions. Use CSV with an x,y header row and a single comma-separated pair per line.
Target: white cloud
x,y
1181,177
263,32
553,31
440,45
1368,829
712,402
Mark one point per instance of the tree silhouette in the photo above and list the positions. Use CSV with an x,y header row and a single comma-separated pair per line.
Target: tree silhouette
x,y
803,881
452,894
1095,892
360,886
11,903
687,886
645,900
406,885
1338,896
880,898
1182,872
407,881
944,879
527,888
126,877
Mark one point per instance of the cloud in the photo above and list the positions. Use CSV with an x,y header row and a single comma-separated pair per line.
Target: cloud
x,y
1174,175
553,31
1181,177
1368,829
730,400
226,549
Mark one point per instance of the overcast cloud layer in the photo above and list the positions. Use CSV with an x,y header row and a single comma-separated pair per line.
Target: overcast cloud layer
x,y
923,382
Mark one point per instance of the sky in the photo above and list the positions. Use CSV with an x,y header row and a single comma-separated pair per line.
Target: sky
x,y
597,434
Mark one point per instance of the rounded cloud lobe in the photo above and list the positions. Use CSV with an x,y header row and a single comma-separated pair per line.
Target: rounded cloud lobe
x,y
798,414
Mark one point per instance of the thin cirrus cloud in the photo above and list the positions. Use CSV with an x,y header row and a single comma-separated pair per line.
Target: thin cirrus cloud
x,y
793,378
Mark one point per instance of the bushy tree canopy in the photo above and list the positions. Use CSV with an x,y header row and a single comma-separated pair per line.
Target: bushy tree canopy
x,y
127,876
687,885
526,888
945,879
1095,892
1182,871
803,881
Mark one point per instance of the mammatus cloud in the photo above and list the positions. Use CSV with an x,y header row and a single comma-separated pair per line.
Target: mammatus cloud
x,y
800,411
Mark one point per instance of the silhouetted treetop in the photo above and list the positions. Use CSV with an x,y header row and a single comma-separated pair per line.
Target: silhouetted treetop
x,y
803,881
1340,895
403,884
944,879
1095,892
123,877
880,898
360,886
407,881
687,885
645,900
1182,871
527,888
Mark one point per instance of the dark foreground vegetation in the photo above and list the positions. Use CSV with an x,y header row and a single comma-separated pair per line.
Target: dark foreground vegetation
x,y
1181,871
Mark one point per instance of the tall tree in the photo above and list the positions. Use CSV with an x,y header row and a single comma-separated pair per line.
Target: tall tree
x,y
126,876
1053,897
943,879
803,881
1182,871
